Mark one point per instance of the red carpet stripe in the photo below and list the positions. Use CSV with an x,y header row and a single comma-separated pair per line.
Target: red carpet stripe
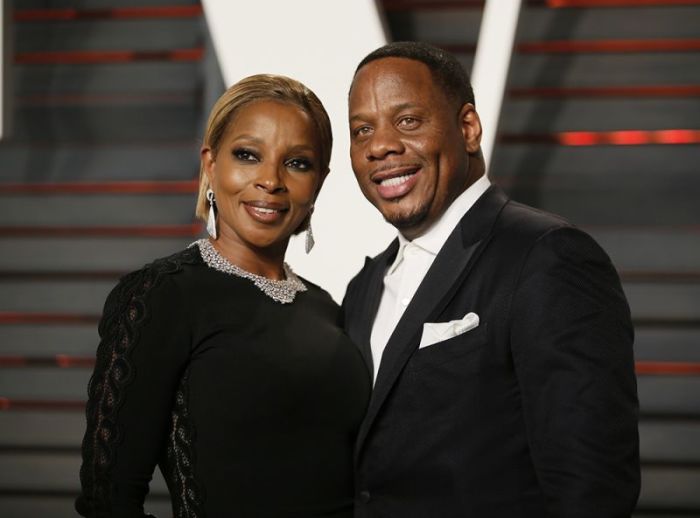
x,y
187,230
103,57
174,11
40,404
124,187
643,368
646,368
608,138
19,318
60,360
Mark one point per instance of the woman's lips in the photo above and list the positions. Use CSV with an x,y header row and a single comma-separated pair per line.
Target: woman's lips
x,y
265,212
396,183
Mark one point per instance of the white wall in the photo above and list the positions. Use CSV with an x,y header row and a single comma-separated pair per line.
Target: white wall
x,y
318,42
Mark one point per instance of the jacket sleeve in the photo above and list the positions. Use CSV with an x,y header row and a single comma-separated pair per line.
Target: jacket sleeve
x,y
142,353
572,338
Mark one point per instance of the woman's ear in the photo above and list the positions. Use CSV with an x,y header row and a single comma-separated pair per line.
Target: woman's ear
x,y
471,128
206,155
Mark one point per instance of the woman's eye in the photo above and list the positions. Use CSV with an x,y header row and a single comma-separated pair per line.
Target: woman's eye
x,y
245,155
300,164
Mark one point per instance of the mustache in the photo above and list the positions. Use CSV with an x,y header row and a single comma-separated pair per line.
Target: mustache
x,y
398,165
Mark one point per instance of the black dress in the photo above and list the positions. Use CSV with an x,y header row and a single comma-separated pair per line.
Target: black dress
x,y
249,407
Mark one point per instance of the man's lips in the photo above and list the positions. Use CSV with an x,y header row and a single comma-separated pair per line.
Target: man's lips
x,y
395,182
265,211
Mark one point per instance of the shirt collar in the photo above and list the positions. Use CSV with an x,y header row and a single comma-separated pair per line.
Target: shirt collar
x,y
434,238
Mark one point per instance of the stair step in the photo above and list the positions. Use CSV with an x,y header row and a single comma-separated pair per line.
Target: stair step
x,y
667,489
23,504
56,472
106,35
98,210
57,162
57,430
622,203
605,92
107,79
667,345
44,384
591,70
453,22
651,248
82,297
603,165
109,123
547,116
671,396
86,253
79,339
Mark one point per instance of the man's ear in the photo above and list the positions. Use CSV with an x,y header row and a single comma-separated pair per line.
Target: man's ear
x,y
207,157
471,128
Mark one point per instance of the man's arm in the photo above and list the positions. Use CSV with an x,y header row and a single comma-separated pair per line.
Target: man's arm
x,y
572,338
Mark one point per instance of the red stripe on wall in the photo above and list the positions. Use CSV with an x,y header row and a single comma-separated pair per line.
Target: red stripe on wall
x,y
190,230
16,317
173,11
135,187
84,57
645,368
608,138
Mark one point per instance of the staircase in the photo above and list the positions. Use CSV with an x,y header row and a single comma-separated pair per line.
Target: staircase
x,y
602,124
98,178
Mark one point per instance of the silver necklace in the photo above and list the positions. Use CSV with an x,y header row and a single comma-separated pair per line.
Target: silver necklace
x,y
282,291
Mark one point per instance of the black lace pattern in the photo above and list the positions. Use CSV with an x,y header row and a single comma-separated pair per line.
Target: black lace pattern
x,y
125,313
186,494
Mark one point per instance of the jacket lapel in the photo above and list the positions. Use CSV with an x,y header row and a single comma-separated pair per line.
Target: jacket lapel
x,y
444,278
360,329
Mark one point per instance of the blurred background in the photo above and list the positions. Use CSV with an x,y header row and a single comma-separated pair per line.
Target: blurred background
x,y
105,103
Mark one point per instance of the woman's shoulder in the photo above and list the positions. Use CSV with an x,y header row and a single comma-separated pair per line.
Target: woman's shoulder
x,y
156,277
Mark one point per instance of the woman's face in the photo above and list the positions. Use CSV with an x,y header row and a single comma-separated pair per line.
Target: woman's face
x,y
265,175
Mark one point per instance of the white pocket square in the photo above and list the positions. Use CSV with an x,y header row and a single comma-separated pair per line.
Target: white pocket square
x,y
441,331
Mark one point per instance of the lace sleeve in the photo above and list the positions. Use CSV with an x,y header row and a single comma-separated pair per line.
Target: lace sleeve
x,y
142,354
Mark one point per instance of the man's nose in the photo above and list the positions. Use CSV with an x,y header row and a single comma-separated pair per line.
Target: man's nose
x,y
385,141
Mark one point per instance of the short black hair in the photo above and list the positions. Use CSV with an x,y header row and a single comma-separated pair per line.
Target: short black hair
x,y
447,71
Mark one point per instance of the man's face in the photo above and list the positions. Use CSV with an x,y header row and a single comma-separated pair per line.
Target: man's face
x,y
409,144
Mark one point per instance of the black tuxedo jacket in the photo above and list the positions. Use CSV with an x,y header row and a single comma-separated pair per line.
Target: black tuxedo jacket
x,y
531,414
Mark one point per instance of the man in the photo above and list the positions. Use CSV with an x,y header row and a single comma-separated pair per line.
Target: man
x,y
498,335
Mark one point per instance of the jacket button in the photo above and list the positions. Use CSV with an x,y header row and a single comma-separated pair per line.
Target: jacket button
x,y
364,496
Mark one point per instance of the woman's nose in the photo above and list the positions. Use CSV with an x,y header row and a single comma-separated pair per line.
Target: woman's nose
x,y
271,178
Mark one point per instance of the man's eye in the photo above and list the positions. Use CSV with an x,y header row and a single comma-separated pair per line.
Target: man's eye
x,y
408,122
362,131
300,164
245,155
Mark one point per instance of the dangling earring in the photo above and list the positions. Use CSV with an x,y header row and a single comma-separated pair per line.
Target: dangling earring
x,y
310,242
211,221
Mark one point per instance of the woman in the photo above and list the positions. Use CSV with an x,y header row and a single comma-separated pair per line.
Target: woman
x,y
218,363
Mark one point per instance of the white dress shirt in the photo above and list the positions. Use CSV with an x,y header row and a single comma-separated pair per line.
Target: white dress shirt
x,y
413,260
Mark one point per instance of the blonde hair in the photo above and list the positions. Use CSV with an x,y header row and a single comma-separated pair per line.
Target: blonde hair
x,y
261,87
